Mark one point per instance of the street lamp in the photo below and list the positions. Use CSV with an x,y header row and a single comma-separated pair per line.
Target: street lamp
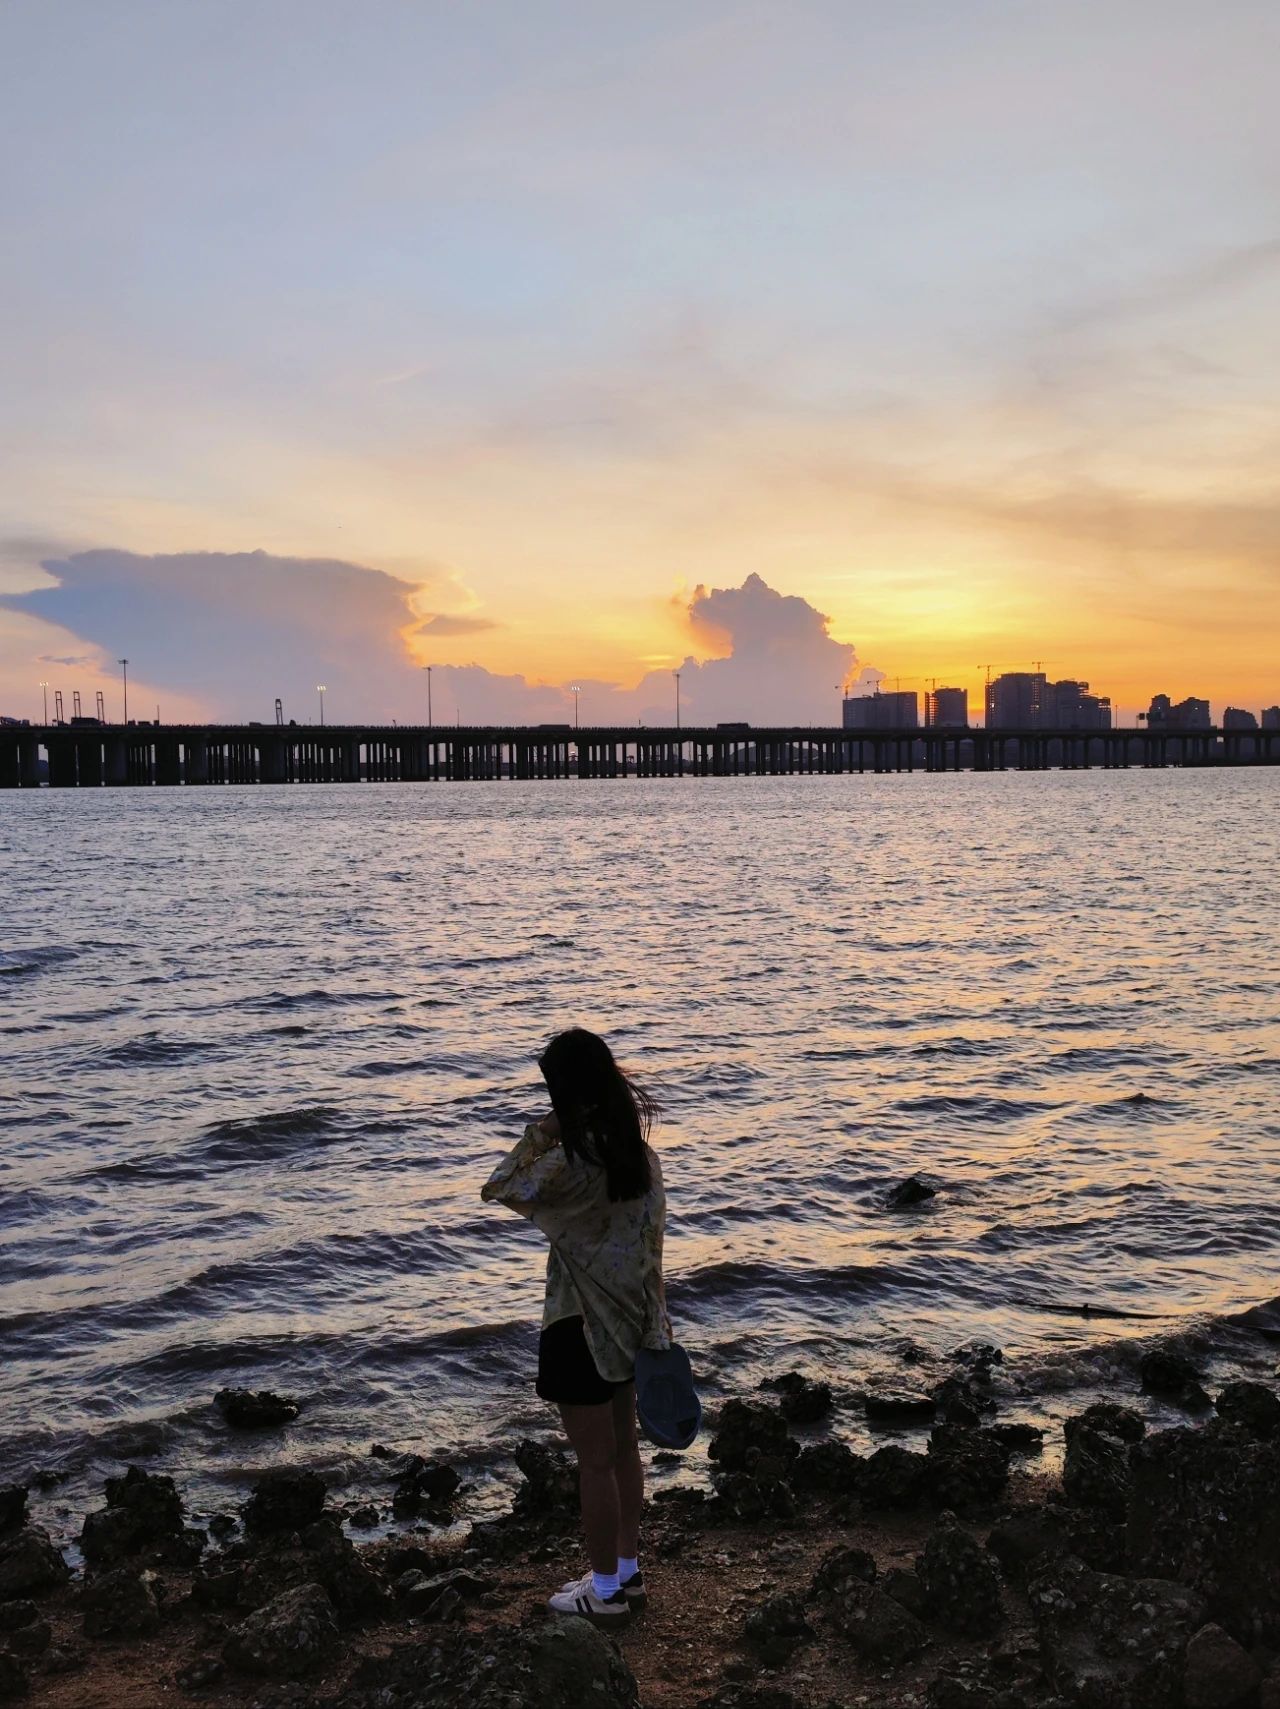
x,y
124,666
320,692
676,675
45,686
575,692
430,719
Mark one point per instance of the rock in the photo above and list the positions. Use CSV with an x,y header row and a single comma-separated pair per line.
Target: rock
x,y
333,1560
143,1516
801,1400
13,1508
261,1409
958,1690
1022,1540
965,1469
205,1670
222,1525
904,1586
29,1562
978,1356
1203,1510
65,1658
120,1603
424,1488
1095,1472
14,1615
289,1637
961,1581
742,1496
420,1594
964,1397
1096,1538
1017,1438
892,1477
1111,1642
286,1500
1173,1377
828,1468
1218,1673
777,1628
839,1569
31,1641
14,1679
1108,1419
897,1409
912,1191
1253,1406
365,1517
744,1426
877,1626
555,1664
1269,1691
737,1696
550,1482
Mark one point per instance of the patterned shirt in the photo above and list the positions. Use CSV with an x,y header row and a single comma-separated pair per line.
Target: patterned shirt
x,y
605,1263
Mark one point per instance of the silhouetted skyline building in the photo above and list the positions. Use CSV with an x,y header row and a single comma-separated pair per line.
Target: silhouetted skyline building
x,y
897,711
949,707
1189,714
1027,700
1234,719
1271,718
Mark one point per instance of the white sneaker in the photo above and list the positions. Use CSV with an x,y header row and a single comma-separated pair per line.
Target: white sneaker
x,y
632,1588
580,1598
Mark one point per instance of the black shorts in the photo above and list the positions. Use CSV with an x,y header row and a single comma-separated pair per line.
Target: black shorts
x,y
566,1371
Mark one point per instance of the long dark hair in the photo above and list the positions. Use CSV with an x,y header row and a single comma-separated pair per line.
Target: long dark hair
x,y
605,1118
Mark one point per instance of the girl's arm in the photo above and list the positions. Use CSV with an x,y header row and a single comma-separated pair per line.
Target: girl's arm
x,y
530,1174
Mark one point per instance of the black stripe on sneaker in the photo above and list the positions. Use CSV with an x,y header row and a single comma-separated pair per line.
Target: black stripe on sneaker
x,y
584,1607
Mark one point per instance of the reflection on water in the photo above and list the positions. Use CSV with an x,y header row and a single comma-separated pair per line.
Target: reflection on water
x,y
262,1047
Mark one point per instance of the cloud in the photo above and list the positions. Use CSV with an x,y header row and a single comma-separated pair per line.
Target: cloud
x,y
443,624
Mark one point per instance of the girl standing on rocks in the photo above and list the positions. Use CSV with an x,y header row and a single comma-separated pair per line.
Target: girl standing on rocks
x,y
588,1178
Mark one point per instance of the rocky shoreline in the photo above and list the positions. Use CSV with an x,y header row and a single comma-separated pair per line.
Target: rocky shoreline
x,y
801,1576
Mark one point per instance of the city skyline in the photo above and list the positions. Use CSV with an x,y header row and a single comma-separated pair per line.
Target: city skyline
x,y
505,346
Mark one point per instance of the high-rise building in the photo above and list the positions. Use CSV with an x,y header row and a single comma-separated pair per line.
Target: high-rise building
x,y
1186,715
1072,707
1016,700
882,712
949,707
1271,718
1234,719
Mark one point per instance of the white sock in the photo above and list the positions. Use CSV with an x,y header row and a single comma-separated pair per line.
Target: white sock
x,y
627,1568
604,1584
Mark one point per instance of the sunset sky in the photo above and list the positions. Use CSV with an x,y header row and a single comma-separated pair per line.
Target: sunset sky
x,y
568,343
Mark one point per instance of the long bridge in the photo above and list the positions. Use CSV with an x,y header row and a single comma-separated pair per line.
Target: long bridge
x,y
92,755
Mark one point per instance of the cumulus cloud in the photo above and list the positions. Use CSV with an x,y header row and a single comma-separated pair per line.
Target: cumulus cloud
x,y
231,631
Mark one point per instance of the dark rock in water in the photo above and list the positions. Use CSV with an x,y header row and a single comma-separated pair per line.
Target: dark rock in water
x,y
1203,1510
1219,1674
966,1469
1095,1473
830,1468
1108,1419
777,1628
421,1594
896,1409
961,1581
13,1508
550,1482
801,1399
284,1500
287,1638
892,1477
143,1516
29,1562
15,1682
904,1586
1018,1438
1175,1378
1253,1406
978,1355
120,1603
877,1626
747,1425
1112,1642
963,1398
249,1409
364,1517
555,1664
912,1191
223,1524
1024,1540
17,1614
839,1569
425,1488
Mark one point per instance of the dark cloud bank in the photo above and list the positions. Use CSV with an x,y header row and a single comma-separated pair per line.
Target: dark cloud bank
x,y
235,630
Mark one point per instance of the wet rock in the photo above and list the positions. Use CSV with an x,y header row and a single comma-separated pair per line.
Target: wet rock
x,y
1203,1510
748,1431
899,1409
1111,1642
420,1594
828,1468
1108,1419
777,1628
255,1409
425,1488
28,1642
223,1525
877,1626
29,1562
1254,1407
364,1518
333,1560
892,1477
46,1478
13,1508
1023,1540
289,1637
965,1470
1018,1438
1095,1472
978,1356
801,1400
961,1581
839,1570
15,1682
550,1482
555,1664
904,1586
1175,1378
1219,1674
121,1603
748,1497
286,1500
143,1516
912,1191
